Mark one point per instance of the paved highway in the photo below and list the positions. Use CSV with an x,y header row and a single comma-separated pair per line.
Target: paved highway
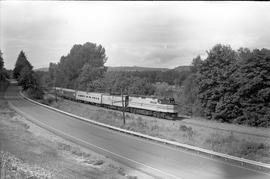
x,y
151,157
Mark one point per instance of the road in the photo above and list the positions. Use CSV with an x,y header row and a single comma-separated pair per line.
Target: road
x,y
157,159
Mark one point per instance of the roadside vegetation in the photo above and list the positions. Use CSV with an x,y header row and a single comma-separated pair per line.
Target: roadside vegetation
x,y
241,141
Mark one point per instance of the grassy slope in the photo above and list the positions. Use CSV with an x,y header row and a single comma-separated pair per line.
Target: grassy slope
x,y
27,150
194,133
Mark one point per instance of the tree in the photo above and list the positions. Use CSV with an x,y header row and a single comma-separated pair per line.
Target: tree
x,y
234,86
163,89
26,79
195,65
98,85
214,78
30,82
20,64
43,79
189,96
244,54
4,73
76,69
139,86
89,74
2,70
1,61
253,94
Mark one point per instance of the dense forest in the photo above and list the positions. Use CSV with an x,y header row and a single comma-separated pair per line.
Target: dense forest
x,y
229,85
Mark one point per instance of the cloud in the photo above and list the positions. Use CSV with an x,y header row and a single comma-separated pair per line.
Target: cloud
x,y
159,34
163,56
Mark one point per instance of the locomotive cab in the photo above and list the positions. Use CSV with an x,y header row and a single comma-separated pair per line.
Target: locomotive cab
x,y
169,101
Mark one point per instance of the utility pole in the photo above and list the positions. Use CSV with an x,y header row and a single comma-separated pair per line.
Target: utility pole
x,y
123,107
55,93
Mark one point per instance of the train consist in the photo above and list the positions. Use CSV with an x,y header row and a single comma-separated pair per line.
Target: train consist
x,y
151,106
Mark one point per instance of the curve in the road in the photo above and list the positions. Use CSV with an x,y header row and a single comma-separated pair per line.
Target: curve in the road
x,y
162,160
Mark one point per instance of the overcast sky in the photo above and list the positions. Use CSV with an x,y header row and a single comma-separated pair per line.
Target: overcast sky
x,y
152,34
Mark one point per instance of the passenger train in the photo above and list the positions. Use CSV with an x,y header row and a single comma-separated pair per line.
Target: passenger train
x,y
151,106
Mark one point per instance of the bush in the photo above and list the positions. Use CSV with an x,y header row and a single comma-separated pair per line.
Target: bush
x,y
252,148
184,128
35,93
188,131
48,100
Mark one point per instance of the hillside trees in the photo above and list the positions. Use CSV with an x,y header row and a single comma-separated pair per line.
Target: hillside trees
x,y
114,82
89,74
140,86
163,89
172,77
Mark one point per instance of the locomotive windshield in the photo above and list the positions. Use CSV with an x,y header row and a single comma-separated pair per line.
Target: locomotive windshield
x,y
166,101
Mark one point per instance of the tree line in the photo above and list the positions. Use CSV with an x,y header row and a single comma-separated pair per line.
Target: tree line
x,y
83,69
228,85
231,86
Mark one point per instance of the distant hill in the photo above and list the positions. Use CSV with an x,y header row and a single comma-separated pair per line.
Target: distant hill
x,y
182,68
135,68
45,69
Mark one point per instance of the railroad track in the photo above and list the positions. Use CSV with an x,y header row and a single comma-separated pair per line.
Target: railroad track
x,y
193,123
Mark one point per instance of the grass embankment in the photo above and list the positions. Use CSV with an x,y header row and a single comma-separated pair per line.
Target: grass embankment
x,y
215,136
28,151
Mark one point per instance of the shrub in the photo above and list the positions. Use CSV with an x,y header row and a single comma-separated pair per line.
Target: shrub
x,y
35,93
251,148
